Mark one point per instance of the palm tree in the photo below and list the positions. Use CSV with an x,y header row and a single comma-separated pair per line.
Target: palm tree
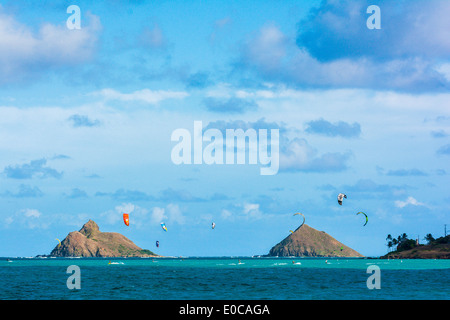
x,y
395,242
389,240
390,244
429,238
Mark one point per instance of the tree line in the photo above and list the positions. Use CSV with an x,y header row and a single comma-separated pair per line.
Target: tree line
x,y
403,243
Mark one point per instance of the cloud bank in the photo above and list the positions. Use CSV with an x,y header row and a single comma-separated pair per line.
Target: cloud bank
x,y
26,53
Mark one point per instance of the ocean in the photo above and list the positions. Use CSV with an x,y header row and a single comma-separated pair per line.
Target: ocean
x,y
223,278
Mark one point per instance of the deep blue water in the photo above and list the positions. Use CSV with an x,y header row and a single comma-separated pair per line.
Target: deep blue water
x,y
224,279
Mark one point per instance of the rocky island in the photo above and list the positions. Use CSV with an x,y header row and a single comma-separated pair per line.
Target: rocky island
x,y
89,241
309,242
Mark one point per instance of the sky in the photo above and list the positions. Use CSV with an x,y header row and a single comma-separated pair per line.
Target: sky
x,y
87,116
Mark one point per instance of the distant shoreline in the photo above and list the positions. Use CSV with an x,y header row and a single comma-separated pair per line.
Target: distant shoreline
x,y
385,257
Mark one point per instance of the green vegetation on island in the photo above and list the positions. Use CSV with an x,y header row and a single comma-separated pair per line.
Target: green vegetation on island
x,y
404,248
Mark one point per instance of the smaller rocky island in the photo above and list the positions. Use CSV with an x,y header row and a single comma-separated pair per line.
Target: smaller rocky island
x,y
91,242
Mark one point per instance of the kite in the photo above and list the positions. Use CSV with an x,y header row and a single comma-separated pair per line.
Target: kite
x,y
367,219
59,244
298,213
157,244
213,225
126,219
163,225
341,197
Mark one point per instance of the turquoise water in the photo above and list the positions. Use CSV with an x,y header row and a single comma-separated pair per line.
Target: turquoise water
x,y
223,279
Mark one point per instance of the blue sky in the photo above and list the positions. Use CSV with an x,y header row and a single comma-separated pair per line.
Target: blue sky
x,y
87,117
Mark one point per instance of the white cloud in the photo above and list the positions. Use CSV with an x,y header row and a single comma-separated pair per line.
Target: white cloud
x,y
111,216
144,95
410,201
125,208
174,214
171,214
24,52
444,69
276,57
9,220
250,207
29,219
268,48
298,155
226,214
242,211
137,214
251,210
32,213
158,215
